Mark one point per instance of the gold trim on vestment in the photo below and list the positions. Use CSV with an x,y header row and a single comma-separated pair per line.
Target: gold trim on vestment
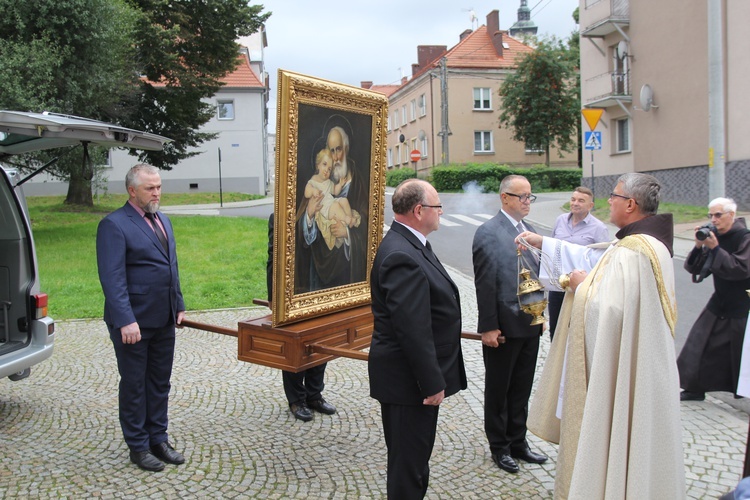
x,y
638,243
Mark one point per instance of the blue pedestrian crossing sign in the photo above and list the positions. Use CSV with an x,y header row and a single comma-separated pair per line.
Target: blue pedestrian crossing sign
x,y
593,140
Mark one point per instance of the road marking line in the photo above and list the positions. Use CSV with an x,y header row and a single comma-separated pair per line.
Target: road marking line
x,y
467,219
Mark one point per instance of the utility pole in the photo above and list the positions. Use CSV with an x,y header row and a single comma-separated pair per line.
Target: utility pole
x,y
716,129
445,130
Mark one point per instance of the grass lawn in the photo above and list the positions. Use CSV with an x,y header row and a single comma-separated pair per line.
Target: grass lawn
x,y
222,259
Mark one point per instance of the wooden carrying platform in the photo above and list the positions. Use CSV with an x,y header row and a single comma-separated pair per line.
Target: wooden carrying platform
x,y
306,344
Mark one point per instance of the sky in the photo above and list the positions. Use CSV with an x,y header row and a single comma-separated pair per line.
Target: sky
x,y
353,41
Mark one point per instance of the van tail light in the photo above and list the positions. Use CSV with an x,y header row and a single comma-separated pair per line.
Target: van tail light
x,y
40,305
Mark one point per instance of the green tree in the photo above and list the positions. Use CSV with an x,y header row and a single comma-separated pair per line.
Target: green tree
x,y
540,101
144,64
184,49
67,56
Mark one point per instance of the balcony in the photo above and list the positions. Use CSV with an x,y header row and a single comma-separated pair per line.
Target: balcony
x,y
610,89
612,15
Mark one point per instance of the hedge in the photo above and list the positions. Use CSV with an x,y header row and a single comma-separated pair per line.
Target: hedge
x,y
395,177
488,177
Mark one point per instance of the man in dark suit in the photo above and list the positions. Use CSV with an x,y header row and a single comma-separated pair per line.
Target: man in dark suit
x,y
509,342
415,356
303,390
135,251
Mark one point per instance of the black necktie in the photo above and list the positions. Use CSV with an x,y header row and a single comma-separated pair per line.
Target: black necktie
x,y
159,233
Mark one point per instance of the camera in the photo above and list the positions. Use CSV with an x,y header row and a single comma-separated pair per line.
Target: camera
x,y
705,231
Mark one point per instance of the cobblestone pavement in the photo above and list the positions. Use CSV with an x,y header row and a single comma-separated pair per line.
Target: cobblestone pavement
x,y
60,436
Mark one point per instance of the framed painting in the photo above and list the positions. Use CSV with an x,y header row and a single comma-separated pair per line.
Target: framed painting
x,y
329,196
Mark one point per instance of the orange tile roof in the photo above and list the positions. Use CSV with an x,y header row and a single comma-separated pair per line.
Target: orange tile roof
x,y
477,51
385,89
243,76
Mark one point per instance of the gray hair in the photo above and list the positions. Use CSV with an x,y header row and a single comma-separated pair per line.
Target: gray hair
x,y
644,189
408,195
508,179
344,136
133,177
727,204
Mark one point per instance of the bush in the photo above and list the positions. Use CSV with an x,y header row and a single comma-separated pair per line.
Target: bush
x,y
488,176
395,177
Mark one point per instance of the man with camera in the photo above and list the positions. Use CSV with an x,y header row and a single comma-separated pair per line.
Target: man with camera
x,y
710,359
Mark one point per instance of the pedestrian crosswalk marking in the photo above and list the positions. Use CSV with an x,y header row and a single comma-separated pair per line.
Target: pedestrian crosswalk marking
x,y
465,218
447,222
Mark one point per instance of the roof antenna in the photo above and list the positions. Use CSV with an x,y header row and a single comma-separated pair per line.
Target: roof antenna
x,y
472,17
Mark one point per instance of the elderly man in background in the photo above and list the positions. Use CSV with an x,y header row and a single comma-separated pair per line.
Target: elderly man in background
x,y
608,392
710,358
578,226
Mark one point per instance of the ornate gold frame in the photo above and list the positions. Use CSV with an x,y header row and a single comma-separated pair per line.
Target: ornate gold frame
x,y
294,133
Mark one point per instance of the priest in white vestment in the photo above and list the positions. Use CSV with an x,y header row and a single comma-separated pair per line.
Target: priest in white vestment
x,y
609,391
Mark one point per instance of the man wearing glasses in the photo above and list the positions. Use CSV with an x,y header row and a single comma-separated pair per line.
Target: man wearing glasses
x,y
509,342
710,358
608,391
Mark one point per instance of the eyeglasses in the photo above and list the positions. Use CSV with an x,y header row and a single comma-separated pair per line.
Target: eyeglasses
x,y
432,206
612,195
717,215
524,197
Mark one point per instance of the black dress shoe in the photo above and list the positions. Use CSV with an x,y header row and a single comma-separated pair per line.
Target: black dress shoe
x,y
146,461
505,462
301,412
167,453
529,456
322,406
692,396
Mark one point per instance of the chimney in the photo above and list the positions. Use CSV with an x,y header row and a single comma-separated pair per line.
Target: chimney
x,y
404,80
415,68
366,85
465,33
428,53
493,31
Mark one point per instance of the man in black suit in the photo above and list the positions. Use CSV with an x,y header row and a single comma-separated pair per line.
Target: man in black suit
x,y
135,251
415,356
509,342
303,390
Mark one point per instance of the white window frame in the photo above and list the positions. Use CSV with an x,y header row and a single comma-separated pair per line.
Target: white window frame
x,y
620,125
390,157
485,137
403,115
413,110
422,105
485,101
388,124
395,120
221,104
533,150
424,148
397,154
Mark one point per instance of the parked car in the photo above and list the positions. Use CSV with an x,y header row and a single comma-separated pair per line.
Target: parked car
x,y
27,333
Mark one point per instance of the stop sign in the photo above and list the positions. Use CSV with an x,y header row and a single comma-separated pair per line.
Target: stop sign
x,y
415,155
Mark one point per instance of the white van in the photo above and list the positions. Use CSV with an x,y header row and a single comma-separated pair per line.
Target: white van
x,y
27,334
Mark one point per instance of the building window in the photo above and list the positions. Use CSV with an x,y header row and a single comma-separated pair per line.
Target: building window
x,y
395,120
424,148
404,154
225,110
623,135
422,105
413,110
403,114
388,124
390,157
482,99
397,154
483,141
532,149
